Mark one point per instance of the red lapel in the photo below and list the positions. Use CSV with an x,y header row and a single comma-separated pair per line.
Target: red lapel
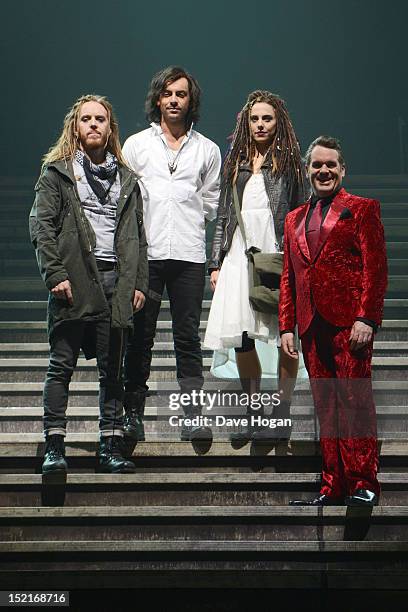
x,y
301,234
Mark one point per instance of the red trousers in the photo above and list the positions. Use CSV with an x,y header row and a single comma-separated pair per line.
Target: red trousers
x,y
340,380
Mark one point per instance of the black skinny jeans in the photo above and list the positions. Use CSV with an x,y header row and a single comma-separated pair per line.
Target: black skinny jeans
x,y
184,281
65,345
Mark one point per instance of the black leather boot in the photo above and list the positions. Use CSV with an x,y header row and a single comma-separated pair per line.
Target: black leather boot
x,y
110,459
134,406
54,456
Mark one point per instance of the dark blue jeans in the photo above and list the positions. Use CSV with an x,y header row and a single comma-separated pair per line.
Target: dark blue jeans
x,y
65,345
184,281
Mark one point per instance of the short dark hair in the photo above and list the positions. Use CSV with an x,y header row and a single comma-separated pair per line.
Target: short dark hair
x,y
325,141
157,86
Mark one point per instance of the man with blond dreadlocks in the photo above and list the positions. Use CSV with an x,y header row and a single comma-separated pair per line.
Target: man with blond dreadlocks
x,y
86,226
265,166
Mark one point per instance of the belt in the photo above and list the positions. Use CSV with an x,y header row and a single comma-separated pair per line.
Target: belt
x,y
105,266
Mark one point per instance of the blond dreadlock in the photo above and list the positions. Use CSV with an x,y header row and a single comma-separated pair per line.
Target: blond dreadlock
x,y
284,153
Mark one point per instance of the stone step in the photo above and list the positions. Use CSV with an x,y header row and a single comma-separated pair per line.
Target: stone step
x,y
160,349
153,411
223,488
389,426
14,211
33,288
17,228
383,348
260,576
397,249
315,567
37,310
397,266
391,392
393,209
17,223
41,349
395,228
384,194
13,268
25,183
198,523
16,206
391,420
85,445
35,331
232,547
357,181
163,368
27,310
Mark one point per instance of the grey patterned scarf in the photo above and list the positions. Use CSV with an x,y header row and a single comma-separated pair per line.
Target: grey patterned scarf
x,y
100,177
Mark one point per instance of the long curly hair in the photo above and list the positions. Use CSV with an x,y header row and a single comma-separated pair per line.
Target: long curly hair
x,y
67,143
157,86
283,155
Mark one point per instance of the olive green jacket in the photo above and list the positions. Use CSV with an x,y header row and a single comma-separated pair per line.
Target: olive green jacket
x,y
64,241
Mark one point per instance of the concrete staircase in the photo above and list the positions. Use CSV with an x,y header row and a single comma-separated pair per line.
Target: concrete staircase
x,y
203,515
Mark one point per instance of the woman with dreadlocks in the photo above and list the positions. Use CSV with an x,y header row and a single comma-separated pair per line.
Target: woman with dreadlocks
x,y
265,166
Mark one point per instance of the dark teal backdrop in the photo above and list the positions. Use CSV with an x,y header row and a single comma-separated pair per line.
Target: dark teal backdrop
x,y
341,66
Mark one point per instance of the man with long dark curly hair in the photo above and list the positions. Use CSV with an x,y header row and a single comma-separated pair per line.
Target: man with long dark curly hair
x,y
179,174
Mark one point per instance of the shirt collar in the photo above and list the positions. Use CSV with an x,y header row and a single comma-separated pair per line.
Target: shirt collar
x,y
157,128
325,201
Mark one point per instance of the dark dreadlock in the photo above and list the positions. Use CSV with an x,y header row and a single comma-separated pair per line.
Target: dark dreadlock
x,y
284,153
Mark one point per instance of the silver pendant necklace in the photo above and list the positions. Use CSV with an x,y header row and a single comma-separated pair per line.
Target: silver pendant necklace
x,y
172,163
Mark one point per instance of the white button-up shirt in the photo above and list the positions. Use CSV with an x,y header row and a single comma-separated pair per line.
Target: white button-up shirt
x,y
175,205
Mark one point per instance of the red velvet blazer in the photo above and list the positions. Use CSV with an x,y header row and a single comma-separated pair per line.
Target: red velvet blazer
x,y
348,276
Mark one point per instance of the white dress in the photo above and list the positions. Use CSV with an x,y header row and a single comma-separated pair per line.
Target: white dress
x,y
231,313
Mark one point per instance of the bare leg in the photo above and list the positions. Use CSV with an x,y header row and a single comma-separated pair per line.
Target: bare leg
x,y
249,369
287,373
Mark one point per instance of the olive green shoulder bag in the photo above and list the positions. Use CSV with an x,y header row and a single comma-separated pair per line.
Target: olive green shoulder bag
x,y
264,270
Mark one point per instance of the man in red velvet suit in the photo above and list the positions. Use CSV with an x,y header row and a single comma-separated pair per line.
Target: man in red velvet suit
x,y
333,285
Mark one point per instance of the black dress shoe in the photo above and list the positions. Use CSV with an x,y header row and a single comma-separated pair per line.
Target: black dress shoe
x,y
319,500
362,497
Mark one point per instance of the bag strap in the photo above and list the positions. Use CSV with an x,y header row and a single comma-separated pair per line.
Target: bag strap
x,y
249,251
239,216
253,279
